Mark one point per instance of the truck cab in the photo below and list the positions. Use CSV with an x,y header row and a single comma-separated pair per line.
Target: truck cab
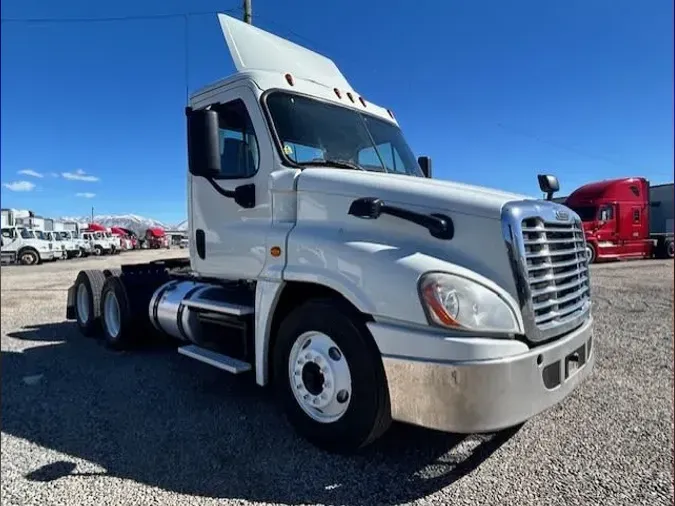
x,y
616,216
76,246
99,244
23,245
325,261
59,246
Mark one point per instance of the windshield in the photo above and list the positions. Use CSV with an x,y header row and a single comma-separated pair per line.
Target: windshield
x,y
64,235
26,234
586,213
311,130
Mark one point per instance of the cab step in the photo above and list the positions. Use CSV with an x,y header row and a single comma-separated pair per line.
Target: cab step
x,y
229,364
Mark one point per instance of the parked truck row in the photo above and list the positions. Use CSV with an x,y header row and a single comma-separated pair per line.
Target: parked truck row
x,y
326,261
28,239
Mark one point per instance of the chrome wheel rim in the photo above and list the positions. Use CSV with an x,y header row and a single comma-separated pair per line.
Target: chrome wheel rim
x,y
320,377
83,303
111,310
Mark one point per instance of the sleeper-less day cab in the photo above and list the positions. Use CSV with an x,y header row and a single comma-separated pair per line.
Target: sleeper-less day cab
x,y
325,262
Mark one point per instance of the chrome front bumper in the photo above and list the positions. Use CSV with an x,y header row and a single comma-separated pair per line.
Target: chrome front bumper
x,y
484,395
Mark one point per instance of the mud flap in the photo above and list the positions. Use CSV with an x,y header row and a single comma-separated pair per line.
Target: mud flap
x,y
70,304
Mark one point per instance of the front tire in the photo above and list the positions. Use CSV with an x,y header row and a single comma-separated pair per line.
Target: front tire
x,y
591,254
29,257
669,248
98,250
329,376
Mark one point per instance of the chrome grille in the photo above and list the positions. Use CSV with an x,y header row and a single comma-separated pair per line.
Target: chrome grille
x,y
547,249
557,270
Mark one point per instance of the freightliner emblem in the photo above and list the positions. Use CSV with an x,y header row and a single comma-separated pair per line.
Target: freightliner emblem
x,y
562,216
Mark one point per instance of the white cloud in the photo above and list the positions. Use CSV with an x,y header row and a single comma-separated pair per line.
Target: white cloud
x,y
30,172
79,175
19,186
86,195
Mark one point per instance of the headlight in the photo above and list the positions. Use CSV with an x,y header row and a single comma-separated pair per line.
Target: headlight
x,y
457,302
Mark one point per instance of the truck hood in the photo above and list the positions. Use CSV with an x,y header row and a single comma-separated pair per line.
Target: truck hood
x,y
401,189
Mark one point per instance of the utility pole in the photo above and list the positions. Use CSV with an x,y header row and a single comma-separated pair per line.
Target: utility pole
x,y
248,14
92,214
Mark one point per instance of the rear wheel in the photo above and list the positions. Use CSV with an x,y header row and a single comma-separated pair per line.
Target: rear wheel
x,y
329,377
669,248
88,287
116,316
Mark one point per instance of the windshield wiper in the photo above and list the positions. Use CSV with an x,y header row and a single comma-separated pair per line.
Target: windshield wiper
x,y
340,164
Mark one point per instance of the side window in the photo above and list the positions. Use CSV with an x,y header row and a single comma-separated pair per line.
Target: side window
x,y
239,155
7,233
387,153
606,213
636,216
25,234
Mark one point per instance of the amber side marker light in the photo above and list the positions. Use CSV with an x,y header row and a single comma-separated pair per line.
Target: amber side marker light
x,y
275,251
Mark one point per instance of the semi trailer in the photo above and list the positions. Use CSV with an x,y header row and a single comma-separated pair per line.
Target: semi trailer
x,y
625,218
325,262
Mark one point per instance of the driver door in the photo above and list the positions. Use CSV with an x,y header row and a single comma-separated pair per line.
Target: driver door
x,y
229,239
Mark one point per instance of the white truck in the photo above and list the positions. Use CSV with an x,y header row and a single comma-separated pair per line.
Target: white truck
x,y
25,246
100,245
63,248
79,247
324,262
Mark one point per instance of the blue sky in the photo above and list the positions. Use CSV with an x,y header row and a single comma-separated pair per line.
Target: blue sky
x,y
494,91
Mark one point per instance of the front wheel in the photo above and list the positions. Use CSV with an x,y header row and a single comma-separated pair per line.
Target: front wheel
x,y
329,377
29,257
590,253
98,250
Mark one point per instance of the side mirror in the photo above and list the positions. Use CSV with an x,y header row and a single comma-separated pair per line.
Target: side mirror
x,y
425,165
203,142
548,184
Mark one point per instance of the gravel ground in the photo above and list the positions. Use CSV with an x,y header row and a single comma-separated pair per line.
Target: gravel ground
x,y
82,425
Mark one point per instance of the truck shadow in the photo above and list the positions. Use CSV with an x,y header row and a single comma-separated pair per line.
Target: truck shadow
x,y
161,419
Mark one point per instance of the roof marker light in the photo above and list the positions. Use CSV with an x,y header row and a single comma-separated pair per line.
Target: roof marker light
x,y
390,114
350,96
289,79
337,92
363,102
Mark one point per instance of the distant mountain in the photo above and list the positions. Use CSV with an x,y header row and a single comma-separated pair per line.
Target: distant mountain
x,y
138,224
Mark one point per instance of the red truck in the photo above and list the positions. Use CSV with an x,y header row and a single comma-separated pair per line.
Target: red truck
x,y
156,238
625,218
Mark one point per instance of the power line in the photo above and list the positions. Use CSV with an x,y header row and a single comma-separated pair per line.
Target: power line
x,y
565,147
146,17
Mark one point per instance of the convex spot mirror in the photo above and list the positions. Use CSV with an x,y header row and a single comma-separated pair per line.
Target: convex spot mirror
x,y
203,142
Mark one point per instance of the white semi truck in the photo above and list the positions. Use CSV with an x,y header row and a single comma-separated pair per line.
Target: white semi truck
x,y
324,262
26,246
